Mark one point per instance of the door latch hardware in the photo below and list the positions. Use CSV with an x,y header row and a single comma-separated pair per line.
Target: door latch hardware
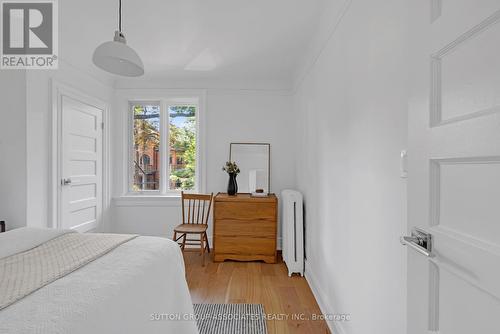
x,y
66,182
419,240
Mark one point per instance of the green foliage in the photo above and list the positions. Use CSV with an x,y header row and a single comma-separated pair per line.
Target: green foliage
x,y
146,136
183,141
231,168
145,130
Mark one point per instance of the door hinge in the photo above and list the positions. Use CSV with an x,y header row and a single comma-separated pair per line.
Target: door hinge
x,y
102,125
404,164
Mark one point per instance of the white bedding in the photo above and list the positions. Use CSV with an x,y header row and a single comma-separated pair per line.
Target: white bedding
x,y
120,292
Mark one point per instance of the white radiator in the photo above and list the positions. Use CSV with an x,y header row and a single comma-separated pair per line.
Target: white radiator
x,y
293,231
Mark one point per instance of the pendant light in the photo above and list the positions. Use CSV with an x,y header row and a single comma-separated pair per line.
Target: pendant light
x,y
116,56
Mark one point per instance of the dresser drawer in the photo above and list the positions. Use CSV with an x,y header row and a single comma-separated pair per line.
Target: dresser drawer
x,y
264,228
245,210
245,245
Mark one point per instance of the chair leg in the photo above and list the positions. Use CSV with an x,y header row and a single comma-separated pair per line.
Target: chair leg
x,y
175,237
202,246
208,245
183,241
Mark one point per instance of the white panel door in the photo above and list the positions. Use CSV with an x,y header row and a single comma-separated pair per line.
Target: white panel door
x,y
454,166
81,167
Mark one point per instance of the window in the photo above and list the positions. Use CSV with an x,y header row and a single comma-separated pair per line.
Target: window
x,y
146,140
165,150
182,130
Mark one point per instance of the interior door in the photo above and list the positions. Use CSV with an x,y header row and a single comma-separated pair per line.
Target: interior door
x,y
454,166
81,167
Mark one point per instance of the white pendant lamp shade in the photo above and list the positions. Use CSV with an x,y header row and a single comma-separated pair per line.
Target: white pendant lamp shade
x,y
118,58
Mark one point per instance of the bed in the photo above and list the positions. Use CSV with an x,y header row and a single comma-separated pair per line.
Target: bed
x,y
137,286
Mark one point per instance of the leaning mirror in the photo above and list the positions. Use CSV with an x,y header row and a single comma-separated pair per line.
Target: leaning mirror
x,y
254,161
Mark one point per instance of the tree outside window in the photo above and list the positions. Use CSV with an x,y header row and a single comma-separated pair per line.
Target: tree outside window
x,y
180,142
146,144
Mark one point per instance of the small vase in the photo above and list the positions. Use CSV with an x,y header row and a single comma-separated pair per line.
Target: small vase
x,y
232,186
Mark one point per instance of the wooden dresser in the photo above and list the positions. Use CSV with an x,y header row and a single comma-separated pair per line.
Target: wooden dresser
x,y
245,227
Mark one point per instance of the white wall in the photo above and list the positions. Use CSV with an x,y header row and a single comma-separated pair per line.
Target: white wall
x,y
351,105
231,116
39,132
13,148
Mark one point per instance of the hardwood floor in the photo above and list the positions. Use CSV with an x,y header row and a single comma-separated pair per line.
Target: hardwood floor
x,y
256,283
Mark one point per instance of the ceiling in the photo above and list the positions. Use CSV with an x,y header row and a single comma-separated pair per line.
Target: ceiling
x,y
232,40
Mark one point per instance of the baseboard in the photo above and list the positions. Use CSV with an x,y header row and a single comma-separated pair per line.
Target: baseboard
x,y
335,327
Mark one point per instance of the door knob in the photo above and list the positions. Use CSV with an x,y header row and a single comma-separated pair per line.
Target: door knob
x,y
66,182
419,240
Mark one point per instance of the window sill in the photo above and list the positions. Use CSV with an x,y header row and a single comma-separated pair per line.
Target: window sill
x,y
168,200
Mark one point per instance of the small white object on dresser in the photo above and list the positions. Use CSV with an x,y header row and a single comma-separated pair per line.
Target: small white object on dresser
x,y
293,231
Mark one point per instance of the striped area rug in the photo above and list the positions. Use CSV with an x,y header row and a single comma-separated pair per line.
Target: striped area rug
x,y
230,318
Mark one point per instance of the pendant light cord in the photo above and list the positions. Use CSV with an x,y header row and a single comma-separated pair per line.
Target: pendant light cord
x,y
120,15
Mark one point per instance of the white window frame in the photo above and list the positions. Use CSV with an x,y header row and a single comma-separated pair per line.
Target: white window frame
x,y
165,99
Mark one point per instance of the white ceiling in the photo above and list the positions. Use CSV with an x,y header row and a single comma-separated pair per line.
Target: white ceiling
x,y
195,39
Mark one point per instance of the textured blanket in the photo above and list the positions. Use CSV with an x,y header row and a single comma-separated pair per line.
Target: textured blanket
x,y
23,273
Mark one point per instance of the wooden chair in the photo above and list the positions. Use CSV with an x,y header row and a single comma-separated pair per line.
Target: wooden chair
x,y
195,213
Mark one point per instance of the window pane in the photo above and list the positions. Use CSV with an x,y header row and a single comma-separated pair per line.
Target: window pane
x,y
182,147
146,154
